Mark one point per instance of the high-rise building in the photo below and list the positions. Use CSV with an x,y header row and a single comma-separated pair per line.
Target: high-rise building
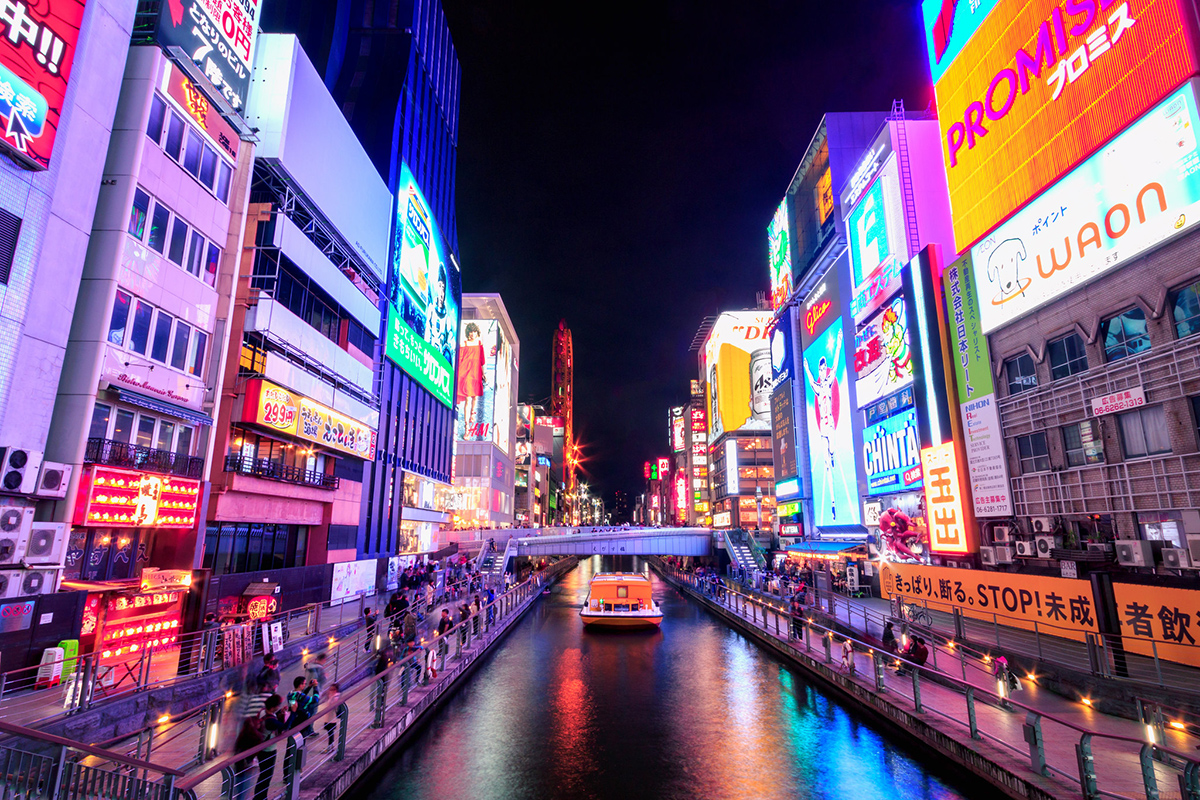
x,y
562,392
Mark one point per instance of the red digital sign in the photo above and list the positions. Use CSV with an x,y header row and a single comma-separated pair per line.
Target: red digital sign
x,y
36,52
126,498
1042,84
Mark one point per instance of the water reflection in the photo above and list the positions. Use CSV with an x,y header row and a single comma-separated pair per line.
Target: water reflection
x,y
689,711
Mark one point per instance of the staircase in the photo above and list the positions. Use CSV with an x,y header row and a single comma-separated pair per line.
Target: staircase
x,y
738,546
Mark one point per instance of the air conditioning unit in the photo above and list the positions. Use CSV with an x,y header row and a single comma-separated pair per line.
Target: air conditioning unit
x,y
19,470
1135,553
1004,554
15,522
1002,534
47,544
54,479
1175,558
1026,550
987,555
1041,524
27,582
1045,544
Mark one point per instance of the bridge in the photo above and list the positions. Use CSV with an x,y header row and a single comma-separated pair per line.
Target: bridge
x,y
616,542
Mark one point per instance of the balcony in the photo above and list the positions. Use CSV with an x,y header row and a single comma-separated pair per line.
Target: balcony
x,y
131,456
274,471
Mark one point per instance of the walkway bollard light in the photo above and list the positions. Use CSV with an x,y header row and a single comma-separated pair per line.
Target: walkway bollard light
x,y
343,715
1037,745
828,640
916,681
1087,768
971,713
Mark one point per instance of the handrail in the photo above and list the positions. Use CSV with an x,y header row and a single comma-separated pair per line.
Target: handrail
x,y
533,582
962,686
91,750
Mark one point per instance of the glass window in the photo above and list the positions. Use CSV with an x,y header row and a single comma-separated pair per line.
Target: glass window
x,y
1162,526
224,175
101,414
300,553
145,430
120,317
179,237
137,217
1022,375
123,426
139,334
208,167
162,337
191,156
174,136
1144,432
196,362
158,112
1125,334
1186,310
166,436
158,227
211,263
1083,443
1067,357
179,349
183,441
1034,452
195,259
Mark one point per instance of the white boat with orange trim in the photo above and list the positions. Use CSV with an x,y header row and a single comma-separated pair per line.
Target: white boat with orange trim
x,y
620,600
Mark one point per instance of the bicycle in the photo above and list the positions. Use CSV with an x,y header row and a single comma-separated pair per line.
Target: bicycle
x,y
916,614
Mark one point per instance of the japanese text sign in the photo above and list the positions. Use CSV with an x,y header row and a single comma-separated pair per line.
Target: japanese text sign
x,y
36,52
218,36
944,500
128,498
1039,86
190,99
1170,618
1119,401
1058,606
287,412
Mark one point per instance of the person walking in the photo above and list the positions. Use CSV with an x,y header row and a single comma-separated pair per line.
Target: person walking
x,y
250,736
333,700
847,656
315,670
273,725
370,621
889,638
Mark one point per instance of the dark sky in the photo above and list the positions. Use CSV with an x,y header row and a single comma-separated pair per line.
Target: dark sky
x,y
618,164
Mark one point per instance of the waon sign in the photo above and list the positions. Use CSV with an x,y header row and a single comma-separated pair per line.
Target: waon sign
x,y
1039,86
36,50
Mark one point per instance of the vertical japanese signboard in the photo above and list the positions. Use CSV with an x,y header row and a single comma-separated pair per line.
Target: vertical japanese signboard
x,y
984,441
36,52
218,37
944,500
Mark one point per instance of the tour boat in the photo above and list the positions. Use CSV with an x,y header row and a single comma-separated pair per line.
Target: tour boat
x,y
620,600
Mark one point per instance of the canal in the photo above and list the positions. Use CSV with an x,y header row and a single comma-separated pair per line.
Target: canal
x,y
692,711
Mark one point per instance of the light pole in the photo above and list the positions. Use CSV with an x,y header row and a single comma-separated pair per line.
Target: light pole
x,y
758,508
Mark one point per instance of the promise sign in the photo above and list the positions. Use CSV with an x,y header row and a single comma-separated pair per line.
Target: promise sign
x,y
1039,86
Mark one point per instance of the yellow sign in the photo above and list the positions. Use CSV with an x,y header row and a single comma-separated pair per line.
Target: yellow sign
x,y
1057,606
1159,621
267,404
824,192
943,499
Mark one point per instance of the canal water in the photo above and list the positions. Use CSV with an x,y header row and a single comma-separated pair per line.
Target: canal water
x,y
691,711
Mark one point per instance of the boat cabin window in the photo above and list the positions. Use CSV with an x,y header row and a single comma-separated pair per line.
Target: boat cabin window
x,y
622,591
621,607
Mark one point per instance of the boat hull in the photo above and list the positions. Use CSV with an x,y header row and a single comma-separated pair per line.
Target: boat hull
x,y
612,621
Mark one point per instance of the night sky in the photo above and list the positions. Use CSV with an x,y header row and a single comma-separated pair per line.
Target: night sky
x,y
618,164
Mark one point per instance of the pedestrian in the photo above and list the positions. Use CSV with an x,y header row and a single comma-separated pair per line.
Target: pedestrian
x,y
410,628
315,670
268,677
369,622
250,736
273,724
333,700
889,638
302,703
847,656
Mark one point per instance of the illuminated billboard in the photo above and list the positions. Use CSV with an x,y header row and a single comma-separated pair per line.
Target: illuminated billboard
x,y
218,37
1140,190
35,65
424,295
678,429
1039,85
783,435
779,256
875,228
737,369
882,354
830,434
944,500
483,396
892,454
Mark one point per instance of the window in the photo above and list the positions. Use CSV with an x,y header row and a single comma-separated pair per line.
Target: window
x,y
1186,310
131,427
191,156
1144,432
196,362
1021,374
123,426
195,261
1083,443
158,113
1162,526
145,431
208,166
174,137
139,336
183,442
137,217
179,237
179,350
1067,357
1125,334
101,414
166,436
224,175
158,227
162,337
231,547
211,263
1033,452
120,316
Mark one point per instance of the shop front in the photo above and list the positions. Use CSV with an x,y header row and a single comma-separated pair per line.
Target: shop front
x,y
842,567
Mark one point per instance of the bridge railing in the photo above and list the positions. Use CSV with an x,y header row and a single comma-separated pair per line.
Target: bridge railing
x,y
1100,764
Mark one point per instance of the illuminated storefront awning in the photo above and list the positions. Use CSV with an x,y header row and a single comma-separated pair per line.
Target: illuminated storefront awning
x,y
828,551
150,404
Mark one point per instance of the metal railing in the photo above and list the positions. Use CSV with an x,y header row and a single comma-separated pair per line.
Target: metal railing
x,y
133,456
1099,764
396,696
274,471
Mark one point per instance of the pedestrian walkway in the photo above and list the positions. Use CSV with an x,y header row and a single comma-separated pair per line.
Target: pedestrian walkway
x,y
940,695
